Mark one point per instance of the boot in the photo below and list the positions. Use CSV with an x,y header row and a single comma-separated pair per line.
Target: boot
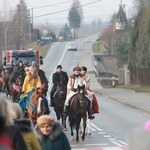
x,y
90,116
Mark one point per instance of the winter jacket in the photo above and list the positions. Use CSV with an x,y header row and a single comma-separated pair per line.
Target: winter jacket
x,y
16,137
57,140
25,127
30,85
62,76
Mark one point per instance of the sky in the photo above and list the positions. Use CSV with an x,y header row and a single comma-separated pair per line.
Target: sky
x,y
99,9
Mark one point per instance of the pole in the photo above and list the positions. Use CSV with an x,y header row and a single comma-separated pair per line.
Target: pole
x,y
32,18
21,29
29,27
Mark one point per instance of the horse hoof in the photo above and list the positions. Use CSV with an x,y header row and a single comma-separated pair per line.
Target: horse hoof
x,y
72,138
65,129
82,138
77,141
89,133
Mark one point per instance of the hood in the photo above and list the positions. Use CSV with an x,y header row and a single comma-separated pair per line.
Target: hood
x,y
24,125
57,130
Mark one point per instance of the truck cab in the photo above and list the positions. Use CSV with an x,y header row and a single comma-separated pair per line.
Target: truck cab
x,y
26,56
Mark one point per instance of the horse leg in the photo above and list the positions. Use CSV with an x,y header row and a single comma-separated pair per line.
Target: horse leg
x,y
84,127
77,129
64,116
89,127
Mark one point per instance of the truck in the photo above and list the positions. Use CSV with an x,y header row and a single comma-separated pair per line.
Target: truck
x,y
26,56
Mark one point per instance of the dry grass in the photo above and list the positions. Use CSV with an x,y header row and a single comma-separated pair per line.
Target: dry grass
x,y
42,49
137,88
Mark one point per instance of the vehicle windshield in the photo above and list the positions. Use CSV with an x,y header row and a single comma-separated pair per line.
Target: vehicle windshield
x,y
26,59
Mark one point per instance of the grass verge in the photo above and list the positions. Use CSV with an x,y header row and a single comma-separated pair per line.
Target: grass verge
x,y
137,88
42,49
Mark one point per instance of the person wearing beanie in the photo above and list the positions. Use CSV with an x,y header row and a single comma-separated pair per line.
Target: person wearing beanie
x,y
9,130
50,134
26,128
32,81
59,77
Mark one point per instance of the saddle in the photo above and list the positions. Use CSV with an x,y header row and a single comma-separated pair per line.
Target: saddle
x,y
15,88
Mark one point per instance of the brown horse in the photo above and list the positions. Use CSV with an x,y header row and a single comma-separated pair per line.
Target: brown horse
x,y
36,107
78,110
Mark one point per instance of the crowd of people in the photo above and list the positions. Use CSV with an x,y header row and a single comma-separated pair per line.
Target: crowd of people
x,y
18,133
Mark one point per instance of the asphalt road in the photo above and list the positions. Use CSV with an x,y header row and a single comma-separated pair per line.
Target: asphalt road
x,y
111,127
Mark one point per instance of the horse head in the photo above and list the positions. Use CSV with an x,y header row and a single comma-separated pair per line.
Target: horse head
x,y
61,90
37,100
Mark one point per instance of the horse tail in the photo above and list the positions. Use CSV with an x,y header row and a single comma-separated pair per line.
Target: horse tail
x,y
71,121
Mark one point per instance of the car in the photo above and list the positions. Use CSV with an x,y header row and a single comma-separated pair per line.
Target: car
x,y
46,38
72,46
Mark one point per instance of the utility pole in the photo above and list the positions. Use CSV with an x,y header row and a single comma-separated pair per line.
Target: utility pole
x,y
32,18
21,29
29,27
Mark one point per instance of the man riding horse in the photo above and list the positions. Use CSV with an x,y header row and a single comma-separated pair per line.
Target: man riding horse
x,y
58,77
75,80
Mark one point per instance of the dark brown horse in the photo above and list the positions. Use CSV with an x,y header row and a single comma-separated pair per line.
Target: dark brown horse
x,y
59,100
78,109
35,106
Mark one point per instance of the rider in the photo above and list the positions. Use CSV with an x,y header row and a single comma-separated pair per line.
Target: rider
x,y
58,76
20,68
74,80
90,94
31,82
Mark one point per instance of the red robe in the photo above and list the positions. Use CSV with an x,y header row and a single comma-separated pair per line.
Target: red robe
x,y
95,106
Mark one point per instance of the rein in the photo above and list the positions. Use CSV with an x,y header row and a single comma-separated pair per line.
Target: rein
x,y
32,106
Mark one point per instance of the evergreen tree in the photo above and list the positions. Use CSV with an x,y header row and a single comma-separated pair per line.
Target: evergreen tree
x,y
74,20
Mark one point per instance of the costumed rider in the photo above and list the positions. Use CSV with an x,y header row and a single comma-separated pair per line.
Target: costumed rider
x,y
20,68
74,80
31,82
89,92
59,77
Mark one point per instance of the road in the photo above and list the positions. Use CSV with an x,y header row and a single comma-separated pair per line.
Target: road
x,y
111,127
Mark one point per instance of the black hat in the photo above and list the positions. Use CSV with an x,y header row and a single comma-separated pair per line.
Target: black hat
x,y
77,68
83,68
59,66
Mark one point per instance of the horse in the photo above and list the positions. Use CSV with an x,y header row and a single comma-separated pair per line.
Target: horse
x,y
44,81
16,81
77,110
35,106
59,100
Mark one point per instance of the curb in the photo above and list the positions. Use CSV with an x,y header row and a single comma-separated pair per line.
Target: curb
x,y
130,105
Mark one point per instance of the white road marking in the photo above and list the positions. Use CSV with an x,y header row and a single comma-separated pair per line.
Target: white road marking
x,y
116,143
111,148
106,136
97,128
102,144
123,143
101,133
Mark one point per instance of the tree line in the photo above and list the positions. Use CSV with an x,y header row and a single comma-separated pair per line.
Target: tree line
x,y
131,44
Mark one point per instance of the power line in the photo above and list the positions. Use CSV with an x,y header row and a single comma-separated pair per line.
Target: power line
x,y
51,5
38,7
65,9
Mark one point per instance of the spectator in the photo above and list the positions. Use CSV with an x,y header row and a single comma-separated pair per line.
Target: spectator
x,y
9,130
50,134
26,128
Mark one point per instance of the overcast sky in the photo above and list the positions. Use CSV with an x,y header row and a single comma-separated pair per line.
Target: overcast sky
x,y
103,9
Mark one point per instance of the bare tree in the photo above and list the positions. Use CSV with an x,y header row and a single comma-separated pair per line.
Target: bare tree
x,y
107,36
5,19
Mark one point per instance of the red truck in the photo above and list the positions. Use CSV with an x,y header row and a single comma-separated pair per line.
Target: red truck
x,y
26,56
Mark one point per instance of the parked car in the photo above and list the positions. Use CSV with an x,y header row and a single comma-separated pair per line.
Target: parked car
x,y
72,46
46,38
